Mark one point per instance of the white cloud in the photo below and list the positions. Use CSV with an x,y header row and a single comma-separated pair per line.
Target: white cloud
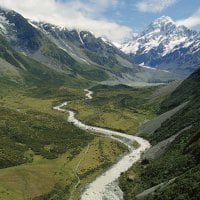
x,y
103,3
154,6
192,21
78,14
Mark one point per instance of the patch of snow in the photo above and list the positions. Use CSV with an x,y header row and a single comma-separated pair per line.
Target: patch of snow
x,y
131,47
147,67
3,23
85,35
106,41
32,24
80,38
172,44
118,45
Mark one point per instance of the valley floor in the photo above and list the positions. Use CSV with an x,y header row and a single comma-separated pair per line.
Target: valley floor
x,y
102,187
46,165
41,151
43,157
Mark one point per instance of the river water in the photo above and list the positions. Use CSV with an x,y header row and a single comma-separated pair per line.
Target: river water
x,y
105,186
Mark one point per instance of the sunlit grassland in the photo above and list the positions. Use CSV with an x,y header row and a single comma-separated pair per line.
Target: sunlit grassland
x,y
30,180
22,101
42,174
107,116
52,148
117,107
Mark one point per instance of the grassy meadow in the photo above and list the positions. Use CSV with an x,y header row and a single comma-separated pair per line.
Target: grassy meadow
x,y
41,154
119,107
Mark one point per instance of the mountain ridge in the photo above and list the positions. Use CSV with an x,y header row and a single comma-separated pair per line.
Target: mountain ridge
x,y
74,52
165,45
170,168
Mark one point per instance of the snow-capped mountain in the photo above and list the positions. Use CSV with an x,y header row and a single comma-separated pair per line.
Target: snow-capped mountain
x,y
18,31
74,52
82,44
33,37
165,45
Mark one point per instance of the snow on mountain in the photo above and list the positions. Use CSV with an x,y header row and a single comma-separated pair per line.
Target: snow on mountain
x,y
107,41
163,44
164,32
161,39
64,34
74,51
4,22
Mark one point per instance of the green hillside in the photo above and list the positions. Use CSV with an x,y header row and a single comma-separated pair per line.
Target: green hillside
x,y
189,89
42,156
176,167
38,148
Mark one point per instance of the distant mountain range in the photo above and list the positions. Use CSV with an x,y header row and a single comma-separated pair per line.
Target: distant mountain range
x,y
164,45
77,54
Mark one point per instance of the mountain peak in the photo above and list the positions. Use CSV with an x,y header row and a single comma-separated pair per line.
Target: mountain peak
x,y
165,26
163,43
162,24
163,20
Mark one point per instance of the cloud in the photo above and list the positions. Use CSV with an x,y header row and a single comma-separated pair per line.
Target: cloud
x,y
78,14
154,6
192,21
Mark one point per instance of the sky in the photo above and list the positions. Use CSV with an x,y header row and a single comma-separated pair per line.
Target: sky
x,y
116,20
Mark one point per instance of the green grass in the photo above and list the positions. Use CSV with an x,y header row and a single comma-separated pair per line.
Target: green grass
x,y
39,149
36,131
181,158
186,91
31,123
42,175
118,107
177,161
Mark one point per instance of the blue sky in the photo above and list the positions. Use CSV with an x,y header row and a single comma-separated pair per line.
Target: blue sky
x,y
116,20
127,13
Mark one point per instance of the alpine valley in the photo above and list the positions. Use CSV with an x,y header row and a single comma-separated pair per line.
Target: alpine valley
x,y
81,118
